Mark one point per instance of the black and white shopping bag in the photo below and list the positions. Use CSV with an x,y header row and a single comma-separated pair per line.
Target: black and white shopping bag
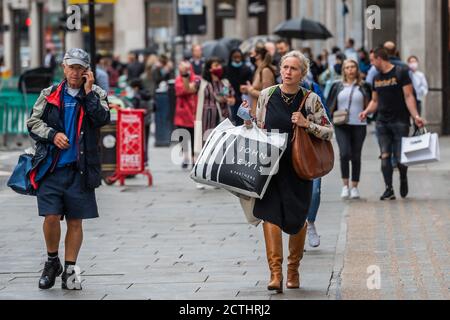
x,y
240,160
420,149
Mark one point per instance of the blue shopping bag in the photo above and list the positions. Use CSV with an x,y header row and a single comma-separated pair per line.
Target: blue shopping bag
x,y
20,178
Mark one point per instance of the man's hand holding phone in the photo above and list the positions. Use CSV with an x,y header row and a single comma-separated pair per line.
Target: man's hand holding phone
x,y
61,141
88,79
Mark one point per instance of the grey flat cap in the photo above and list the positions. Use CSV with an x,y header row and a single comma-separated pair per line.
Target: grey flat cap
x,y
77,56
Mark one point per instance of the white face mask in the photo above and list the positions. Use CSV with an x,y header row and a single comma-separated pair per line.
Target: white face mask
x,y
413,66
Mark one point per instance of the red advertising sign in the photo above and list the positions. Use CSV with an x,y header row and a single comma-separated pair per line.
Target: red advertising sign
x,y
130,147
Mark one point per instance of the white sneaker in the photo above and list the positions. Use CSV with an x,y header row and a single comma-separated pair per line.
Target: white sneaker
x,y
354,193
345,192
200,186
313,237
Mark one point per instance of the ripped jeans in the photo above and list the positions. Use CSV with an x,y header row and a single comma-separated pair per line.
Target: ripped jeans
x,y
390,140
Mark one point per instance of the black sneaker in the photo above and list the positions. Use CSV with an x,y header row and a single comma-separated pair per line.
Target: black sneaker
x,y
388,194
52,269
71,279
403,187
184,165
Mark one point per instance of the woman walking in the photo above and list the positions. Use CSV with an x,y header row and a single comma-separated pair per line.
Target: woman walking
x,y
186,86
264,76
351,95
419,81
215,97
238,74
287,199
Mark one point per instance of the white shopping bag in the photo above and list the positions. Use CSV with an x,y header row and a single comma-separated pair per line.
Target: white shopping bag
x,y
420,149
240,160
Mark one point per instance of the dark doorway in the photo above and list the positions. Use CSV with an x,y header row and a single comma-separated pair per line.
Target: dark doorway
x,y
258,9
389,31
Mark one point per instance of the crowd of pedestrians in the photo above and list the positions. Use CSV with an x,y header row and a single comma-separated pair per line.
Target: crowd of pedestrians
x,y
340,90
350,82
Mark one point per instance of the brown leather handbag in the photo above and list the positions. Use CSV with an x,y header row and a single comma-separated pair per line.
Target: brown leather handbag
x,y
311,157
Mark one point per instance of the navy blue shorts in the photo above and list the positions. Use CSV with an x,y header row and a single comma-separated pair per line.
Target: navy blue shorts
x,y
60,193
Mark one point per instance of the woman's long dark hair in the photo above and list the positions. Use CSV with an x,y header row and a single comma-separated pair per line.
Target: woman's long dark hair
x,y
206,74
266,58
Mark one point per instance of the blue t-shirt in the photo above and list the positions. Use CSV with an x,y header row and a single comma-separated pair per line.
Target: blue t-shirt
x,y
70,108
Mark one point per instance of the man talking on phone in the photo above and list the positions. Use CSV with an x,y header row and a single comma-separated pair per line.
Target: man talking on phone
x,y
66,164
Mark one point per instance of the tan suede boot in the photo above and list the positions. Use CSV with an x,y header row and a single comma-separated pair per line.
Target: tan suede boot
x,y
274,251
296,246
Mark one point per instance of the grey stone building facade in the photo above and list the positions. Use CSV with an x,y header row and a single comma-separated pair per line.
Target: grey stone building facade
x,y
419,27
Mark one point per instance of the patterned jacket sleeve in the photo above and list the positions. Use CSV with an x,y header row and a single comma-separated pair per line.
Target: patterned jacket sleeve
x,y
320,125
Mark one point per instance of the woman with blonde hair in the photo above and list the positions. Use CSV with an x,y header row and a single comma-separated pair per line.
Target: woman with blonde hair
x,y
350,95
264,76
287,199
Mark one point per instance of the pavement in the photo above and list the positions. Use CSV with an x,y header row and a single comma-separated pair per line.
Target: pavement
x,y
171,241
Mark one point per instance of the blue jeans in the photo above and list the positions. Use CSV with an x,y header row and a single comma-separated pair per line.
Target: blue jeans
x,y
315,200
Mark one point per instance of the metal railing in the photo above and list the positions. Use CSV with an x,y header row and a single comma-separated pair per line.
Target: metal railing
x,y
15,108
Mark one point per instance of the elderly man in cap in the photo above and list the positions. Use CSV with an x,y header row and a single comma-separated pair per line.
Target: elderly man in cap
x,y
66,164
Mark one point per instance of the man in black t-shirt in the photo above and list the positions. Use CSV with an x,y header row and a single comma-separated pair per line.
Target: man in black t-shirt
x,y
393,98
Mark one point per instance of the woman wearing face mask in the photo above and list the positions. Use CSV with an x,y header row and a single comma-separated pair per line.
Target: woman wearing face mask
x,y
264,77
238,74
332,74
419,81
215,97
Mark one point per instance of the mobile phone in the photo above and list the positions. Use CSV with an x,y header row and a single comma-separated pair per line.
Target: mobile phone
x,y
85,74
225,91
244,113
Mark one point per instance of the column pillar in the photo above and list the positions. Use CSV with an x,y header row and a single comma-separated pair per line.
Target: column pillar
x,y
34,34
7,37
129,26
433,67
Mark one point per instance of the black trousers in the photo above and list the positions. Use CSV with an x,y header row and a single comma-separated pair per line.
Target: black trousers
x,y
350,140
191,137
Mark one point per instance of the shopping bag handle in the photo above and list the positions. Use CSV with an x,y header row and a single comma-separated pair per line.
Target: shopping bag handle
x,y
420,131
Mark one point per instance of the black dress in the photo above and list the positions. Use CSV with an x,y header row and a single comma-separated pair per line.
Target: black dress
x,y
287,198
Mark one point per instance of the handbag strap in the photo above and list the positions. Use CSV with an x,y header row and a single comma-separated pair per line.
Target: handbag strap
x,y
302,104
351,97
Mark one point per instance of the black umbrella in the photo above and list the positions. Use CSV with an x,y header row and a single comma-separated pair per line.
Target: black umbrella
x,y
230,43
248,44
214,48
304,29
145,51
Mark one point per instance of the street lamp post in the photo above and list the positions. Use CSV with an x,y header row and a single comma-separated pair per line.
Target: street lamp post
x,y
288,9
63,30
92,33
344,15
